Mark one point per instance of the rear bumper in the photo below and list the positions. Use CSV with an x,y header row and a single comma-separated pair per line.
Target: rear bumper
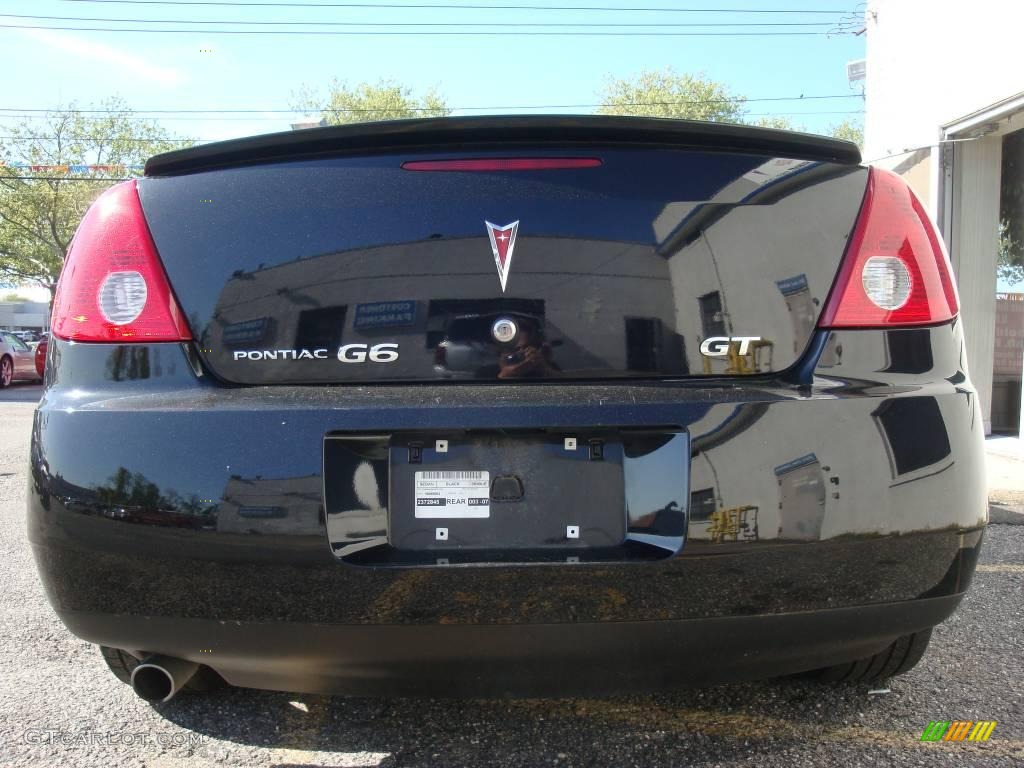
x,y
854,490
518,660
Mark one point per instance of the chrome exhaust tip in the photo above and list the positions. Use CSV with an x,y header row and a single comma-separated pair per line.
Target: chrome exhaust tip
x,y
159,678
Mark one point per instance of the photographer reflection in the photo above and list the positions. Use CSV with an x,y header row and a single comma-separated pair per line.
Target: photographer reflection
x,y
531,357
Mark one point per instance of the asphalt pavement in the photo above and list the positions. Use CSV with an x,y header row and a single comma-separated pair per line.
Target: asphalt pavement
x,y
60,706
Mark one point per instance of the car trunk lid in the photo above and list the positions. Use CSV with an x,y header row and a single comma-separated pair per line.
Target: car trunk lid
x,y
342,262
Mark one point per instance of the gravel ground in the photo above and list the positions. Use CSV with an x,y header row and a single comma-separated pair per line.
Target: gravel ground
x,y
60,706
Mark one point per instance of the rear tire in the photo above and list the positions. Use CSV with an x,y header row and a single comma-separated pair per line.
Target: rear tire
x,y
121,663
899,657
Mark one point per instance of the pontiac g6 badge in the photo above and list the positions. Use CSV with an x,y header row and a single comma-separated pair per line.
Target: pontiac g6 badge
x,y
503,240
349,353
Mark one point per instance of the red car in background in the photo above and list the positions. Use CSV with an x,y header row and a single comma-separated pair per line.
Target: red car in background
x,y
41,354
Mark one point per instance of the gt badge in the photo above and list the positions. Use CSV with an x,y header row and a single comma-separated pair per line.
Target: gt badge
x,y
503,240
718,346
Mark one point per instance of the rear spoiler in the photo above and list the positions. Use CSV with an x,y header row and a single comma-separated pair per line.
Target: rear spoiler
x,y
501,132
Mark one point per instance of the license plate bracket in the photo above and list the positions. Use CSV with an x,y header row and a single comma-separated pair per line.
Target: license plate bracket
x,y
529,491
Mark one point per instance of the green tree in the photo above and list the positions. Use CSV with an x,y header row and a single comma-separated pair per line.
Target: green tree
x,y
40,209
849,130
383,100
777,122
666,93
1010,259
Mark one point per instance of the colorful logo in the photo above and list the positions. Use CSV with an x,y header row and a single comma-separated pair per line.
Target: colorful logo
x,y
503,241
958,730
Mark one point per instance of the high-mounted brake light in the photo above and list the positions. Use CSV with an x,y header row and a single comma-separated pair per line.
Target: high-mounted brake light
x,y
503,164
113,287
896,271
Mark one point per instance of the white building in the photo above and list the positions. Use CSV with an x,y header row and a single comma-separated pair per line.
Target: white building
x,y
24,315
945,109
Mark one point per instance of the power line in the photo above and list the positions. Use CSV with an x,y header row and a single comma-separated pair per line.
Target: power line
x,y
797,114
254,119
908,150
366,33
67,178
258,110
504,24
446,6
258,118
126,141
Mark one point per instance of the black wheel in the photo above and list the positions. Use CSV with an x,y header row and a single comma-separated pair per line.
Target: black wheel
x,y
899,657
6,371
121,663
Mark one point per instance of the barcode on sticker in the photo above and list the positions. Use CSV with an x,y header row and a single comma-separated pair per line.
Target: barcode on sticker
x,y
452,475
452,493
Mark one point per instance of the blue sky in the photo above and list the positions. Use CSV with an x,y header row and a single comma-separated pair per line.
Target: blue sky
x,y
170,71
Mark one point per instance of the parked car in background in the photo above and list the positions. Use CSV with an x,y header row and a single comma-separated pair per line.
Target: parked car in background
x,y
40,354
17,360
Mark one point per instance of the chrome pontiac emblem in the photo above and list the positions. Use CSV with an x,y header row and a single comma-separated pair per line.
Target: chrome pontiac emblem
x,y
504,329
503,240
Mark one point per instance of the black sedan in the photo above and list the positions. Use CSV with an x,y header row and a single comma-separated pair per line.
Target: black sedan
x,y
717,424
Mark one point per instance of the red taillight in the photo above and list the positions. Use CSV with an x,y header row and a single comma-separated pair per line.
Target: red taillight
x,y
113,286
896,270
503,164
